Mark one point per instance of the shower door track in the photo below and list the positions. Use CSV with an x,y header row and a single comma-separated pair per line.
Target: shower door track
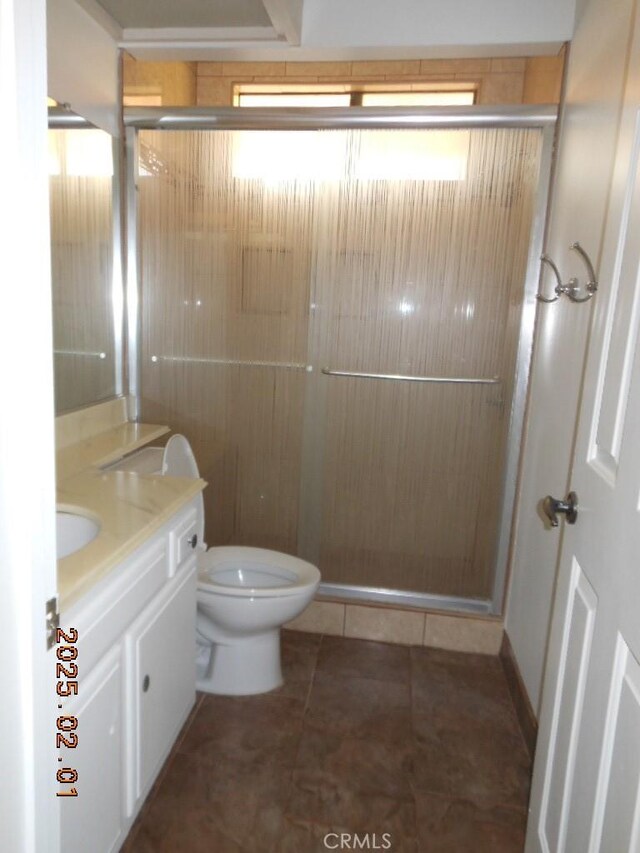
x,y
542,117
402,598
338,118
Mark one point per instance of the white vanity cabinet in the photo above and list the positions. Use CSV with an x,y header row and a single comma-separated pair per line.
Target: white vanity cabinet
x,y
96,812
136,685
162,669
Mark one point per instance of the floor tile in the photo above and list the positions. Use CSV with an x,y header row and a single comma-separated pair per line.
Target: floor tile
x,y
364,659
455,682
247,729
301,836
467,669
348,782
220,803
459,826
168,836
299,657
459,756
364,738
300,639
360,707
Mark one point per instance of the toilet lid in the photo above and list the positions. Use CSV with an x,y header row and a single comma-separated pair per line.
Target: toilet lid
x,y
178,461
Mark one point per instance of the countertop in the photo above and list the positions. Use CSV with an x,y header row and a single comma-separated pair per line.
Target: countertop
x,y
105,447
130,507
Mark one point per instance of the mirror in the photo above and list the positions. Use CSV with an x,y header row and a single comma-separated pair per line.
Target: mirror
x,y
85,262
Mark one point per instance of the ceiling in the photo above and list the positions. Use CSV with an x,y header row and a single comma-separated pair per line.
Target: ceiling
x,y
297,30
186,13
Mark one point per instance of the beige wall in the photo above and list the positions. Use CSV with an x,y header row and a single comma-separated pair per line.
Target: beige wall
x,y
516,80
173,82
497,81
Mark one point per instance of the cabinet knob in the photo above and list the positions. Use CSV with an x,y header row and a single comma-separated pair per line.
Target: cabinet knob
x,y
194,540
146,681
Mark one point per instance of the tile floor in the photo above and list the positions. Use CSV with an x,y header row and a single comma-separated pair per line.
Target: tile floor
x,y
364,737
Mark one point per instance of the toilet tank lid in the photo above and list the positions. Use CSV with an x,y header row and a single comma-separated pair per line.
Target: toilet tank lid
x,y
179,461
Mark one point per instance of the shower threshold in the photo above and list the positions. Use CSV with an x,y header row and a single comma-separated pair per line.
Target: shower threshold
x,y
403,598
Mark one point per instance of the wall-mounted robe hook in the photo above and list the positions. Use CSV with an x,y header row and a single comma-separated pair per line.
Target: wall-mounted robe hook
x,y
571,288
560,288
591,286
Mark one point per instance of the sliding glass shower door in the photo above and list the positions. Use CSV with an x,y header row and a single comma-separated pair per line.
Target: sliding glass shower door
x,y
332,318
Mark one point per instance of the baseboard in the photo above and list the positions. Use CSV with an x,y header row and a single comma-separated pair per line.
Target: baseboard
x,y
524,710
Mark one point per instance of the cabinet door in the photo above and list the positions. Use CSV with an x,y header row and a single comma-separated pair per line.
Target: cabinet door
x,y
162,650
94,817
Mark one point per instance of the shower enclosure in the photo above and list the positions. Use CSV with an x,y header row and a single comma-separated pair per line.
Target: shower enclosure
x,y
336,308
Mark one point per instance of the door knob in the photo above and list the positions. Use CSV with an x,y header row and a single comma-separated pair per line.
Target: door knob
x,y
552,506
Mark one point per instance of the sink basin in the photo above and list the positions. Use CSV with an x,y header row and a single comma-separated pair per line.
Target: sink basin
x,y
74,530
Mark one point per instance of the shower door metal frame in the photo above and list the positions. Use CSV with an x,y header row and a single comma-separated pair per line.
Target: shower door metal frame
x,y
541,117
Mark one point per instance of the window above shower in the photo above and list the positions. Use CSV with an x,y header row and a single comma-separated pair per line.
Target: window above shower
x,y
348,96
276,157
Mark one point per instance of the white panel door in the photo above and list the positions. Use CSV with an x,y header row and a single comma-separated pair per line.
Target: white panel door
x,y
586,787
28,805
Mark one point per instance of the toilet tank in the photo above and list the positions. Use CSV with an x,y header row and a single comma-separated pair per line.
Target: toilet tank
x,y
148,460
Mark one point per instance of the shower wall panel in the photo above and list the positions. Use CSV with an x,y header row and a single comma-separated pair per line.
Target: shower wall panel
x,y
267,257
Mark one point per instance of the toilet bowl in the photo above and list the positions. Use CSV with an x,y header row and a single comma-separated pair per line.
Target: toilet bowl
x,y
244,597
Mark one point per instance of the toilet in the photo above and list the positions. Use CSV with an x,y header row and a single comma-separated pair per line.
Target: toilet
x,y
244,597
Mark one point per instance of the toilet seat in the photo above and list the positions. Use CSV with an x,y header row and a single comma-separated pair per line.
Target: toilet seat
x,y
253,572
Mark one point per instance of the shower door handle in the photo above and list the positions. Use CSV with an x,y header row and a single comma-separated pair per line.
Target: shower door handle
x,y
552,506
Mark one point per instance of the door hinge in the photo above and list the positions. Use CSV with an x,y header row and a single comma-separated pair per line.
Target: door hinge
x,y
52,620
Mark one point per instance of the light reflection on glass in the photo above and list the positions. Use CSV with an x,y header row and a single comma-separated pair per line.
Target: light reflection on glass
x,y
406,307
80,153
467,311
276,156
